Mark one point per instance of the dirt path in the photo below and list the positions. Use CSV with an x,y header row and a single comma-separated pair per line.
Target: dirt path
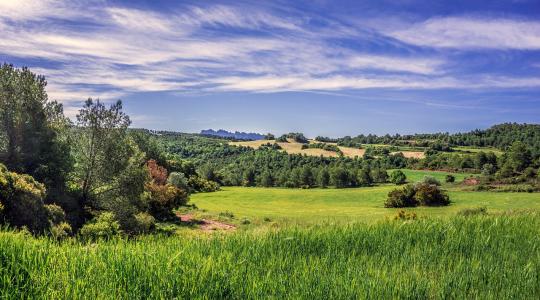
x,y
207,225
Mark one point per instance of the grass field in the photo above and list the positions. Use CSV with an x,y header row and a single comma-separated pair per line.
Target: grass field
x,y
365,204
342,205
316,243
495,257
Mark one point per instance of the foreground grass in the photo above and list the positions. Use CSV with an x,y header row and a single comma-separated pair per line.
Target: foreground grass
x,y
477,257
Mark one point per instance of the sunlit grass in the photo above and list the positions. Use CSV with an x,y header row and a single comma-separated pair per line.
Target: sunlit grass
x,y
460,258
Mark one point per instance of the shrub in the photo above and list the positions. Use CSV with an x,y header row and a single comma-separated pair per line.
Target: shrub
x,y
473,211
245,221
60,231
430,195
202,185
144,223
420,193
227,214
488,169
379,175
21,200
529,172
55,214
403,215
431,180
179,180
398,177
403,197
103,226
163,199
450,178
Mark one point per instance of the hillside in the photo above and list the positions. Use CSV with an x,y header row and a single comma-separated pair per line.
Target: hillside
x,y
292,147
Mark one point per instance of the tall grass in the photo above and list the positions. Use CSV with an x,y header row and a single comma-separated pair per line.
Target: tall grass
x,y
474,257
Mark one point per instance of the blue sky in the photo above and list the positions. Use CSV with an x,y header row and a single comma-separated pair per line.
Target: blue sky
x,y
321,67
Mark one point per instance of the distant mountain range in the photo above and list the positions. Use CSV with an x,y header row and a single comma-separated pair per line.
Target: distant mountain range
x,y
233,135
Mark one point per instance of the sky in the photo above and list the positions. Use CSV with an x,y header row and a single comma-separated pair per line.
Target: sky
x,y
330,68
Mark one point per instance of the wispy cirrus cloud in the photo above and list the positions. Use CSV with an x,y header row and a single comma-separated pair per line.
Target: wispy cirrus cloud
x,y
214,48
469,32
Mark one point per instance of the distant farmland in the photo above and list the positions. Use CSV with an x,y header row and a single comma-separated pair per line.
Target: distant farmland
x,y
293,147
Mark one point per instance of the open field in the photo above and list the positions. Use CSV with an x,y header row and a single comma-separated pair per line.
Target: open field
x,y
343,205
293,147
474,150
457,258
416,175
364,204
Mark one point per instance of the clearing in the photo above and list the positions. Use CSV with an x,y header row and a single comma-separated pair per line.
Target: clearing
x,y
365,204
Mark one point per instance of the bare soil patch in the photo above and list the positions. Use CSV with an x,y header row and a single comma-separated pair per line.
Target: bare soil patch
x,y
411,154
206,225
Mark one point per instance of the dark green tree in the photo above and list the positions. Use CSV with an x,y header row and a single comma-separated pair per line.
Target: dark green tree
x,y
266,179
323,178
32,129
398,177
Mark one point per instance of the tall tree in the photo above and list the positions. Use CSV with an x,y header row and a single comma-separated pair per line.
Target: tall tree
x,y
105,155
31,128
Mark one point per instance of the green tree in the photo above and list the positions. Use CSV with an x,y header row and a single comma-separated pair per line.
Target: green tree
x,y
518,156
340,177
379,175
266,179
109,166
249,177
364,176
32,129
179,180
307,177
398,177
101,150
324,178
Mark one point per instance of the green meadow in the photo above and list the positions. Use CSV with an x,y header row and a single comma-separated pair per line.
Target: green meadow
x,y
363,204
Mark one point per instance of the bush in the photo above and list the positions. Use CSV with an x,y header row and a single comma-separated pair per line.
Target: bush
x,y
21,201
163,199
144,223
430,195
403,215
473,211
103,226
55,214
431,180
398,177
403,197
179,180
202,185
450,178
227,214
421,193
60,231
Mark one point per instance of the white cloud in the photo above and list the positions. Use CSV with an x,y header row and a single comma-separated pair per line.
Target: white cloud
x,y
412,65
125,50
134,19
277,84
466,32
